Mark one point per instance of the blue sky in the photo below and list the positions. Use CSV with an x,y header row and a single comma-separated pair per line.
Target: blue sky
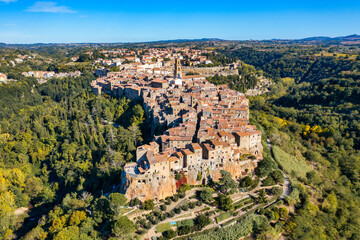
x,y
31,21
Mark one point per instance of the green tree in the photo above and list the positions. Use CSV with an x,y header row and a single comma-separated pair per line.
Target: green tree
x,y
138,115
261,196
227,183
225,202
116,202
123,227
205,194
201,221
283,212
246,182
330,203
149,204
169,234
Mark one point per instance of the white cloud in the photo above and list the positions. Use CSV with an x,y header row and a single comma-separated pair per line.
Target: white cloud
x,y
49,7
8,1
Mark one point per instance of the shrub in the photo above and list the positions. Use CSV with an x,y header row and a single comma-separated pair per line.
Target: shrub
x,y
169,234
170,214
163,207
246,182
283,212
178,176
182,194
162,217
175,198
225,202
149,204
277,191
185,187
185,207
177,210
268,181
201,221
135,202
183,230
199,176
148,225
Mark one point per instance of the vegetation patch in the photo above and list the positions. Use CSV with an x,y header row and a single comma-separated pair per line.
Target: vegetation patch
x,y
223,216
290,163
163,227
236,231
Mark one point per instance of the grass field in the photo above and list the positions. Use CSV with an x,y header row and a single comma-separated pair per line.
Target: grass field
x,y
163,227
290,163
223,216
187,222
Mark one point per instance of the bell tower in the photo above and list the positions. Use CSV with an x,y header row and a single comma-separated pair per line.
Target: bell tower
x,y
178,71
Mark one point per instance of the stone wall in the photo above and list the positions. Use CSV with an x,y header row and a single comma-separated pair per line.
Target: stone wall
x,y
149,188
157,187
211,71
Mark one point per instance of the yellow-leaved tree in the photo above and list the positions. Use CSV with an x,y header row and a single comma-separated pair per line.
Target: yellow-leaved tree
x,y
7,203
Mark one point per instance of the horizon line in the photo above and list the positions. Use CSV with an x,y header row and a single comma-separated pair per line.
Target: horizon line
x,y
180,39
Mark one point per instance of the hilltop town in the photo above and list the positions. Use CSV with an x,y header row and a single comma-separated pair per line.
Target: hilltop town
x,y
158,140
199,128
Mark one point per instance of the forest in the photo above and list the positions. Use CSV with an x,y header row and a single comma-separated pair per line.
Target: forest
x,y
58,157
313,124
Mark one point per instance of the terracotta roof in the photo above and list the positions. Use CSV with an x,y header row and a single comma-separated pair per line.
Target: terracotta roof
x,y
216,142
196,146
173,158
179,154
187,152
161,158
208,147
242,134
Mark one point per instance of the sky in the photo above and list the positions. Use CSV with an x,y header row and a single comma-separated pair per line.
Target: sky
x,y
78,21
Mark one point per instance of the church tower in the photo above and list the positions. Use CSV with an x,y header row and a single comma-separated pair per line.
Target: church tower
x,y
178,72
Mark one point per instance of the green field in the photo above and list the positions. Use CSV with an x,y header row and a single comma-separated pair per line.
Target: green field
x,y
187,222
163,227
223,216
290,163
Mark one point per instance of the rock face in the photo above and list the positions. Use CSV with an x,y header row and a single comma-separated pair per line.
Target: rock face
x,y
161,187
155,188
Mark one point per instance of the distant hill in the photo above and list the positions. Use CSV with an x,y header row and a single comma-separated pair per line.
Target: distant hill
x,y
350,39
343,39
188,40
